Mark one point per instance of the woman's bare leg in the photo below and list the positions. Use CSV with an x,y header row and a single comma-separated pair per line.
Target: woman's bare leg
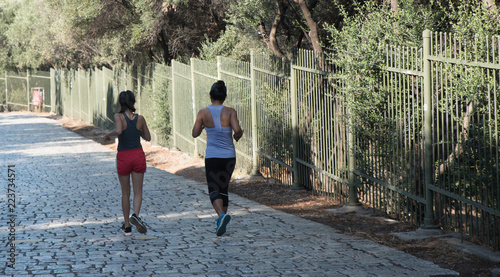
x,y
137,183
125,185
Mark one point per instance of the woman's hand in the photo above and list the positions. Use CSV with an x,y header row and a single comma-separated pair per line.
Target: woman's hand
x,y
238,135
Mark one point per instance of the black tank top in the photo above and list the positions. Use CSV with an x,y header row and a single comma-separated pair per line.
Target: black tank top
x,y
130,138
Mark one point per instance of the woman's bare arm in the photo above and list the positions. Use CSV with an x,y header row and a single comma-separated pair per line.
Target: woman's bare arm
x,y
235,124
144,130
198,125
117,130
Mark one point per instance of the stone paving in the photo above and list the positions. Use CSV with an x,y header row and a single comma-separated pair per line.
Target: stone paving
x,y
67,217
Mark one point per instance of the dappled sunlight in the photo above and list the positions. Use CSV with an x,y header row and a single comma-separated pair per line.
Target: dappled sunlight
x,y
58,224
184,215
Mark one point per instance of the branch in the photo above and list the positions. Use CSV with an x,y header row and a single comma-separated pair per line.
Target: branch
x,y
313,27
274,28
459,148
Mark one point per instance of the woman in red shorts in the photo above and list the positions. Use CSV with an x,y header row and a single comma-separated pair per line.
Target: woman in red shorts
x,y
130,159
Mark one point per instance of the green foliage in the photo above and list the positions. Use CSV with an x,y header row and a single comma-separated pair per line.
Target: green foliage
x,y
358,48
6,17
23,36
251,12
472,18
232,44
160,108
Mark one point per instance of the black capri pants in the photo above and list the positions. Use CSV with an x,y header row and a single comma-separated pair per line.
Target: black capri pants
x,y
218,172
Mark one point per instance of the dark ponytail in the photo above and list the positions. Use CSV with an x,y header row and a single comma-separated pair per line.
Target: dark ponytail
x,y
218,91
126,100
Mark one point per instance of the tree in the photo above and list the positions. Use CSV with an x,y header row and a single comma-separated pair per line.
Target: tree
x,y
490,4
394,6
6,17
311,32
281,24
88,33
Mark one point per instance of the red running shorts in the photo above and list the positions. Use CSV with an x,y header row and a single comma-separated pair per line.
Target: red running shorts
x,y
130,160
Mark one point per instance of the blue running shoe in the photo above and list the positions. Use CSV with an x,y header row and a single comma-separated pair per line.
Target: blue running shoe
x,y
222,223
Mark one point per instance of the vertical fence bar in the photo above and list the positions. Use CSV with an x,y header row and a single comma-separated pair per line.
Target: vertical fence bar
x,y
353,195
80,104
104,111
140,72
193,99
52,87
28,87
88,75
295,126
219,71
253,108
6,92
429,222
174,125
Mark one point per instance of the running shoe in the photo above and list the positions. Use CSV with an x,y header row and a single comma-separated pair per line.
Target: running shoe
x,y
222,223
139,225
127,231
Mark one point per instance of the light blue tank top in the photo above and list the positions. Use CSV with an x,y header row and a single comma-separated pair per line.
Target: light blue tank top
x,y
219,139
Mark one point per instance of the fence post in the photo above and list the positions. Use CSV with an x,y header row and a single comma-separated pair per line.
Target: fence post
x,y
6,92
295,124
253,107
78,83
219,71
52,86
174,129
88,75
28,87
429,222
139,88
71,79
353,194
193,99
104,100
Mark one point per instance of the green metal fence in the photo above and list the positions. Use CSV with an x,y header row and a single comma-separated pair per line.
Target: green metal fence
x,y
466,150
322,156
19,89
435,160
273,115
391,163
237,76
438,163
183,109
3,92
204,74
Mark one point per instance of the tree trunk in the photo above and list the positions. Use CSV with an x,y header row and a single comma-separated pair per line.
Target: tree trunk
x,y
162,41
270,38
274,29
490,4
459,148
394,6
313,27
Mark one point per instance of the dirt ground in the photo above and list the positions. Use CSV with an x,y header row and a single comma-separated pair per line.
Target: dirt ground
x,y
305,204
